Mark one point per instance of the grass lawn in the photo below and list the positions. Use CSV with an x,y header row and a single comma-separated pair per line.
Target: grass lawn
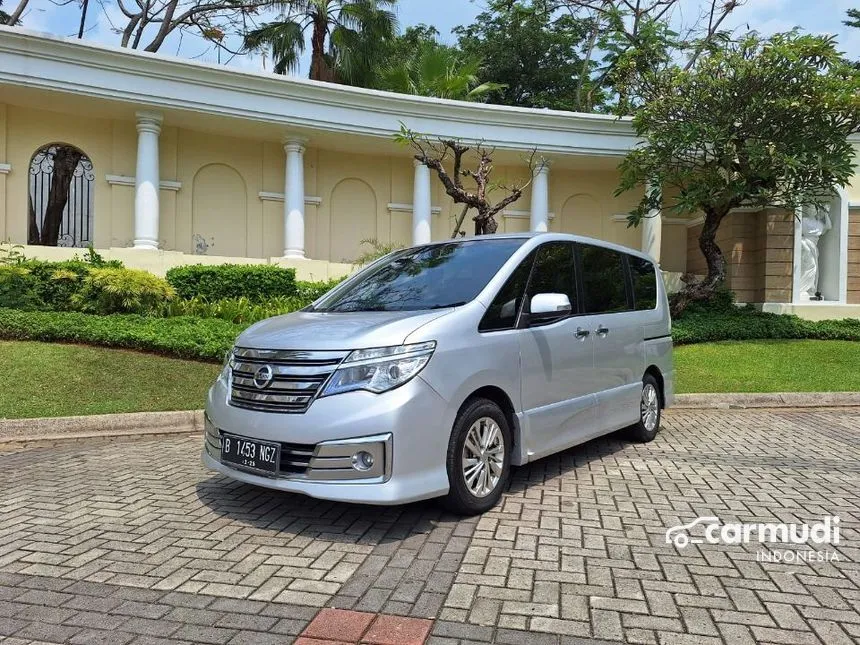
x,y
51,380
769,366
48,379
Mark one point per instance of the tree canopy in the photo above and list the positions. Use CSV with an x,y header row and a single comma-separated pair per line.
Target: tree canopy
x,y
417,63
345,37
533,49
755,122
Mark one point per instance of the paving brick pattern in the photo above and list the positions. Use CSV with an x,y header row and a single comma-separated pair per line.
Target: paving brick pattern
x,y
134,542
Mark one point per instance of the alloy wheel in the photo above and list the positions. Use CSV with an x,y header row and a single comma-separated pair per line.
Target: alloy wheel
x,y
649,407
483,457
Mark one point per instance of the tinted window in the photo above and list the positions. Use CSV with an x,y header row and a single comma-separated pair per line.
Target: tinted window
x,y
503,312
603,280
553,272
426,277
644,282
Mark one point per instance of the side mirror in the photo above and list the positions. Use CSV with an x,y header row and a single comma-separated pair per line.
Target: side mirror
x,y
549,306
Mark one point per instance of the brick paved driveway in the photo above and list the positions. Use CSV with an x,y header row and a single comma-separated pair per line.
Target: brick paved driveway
x,y
133,541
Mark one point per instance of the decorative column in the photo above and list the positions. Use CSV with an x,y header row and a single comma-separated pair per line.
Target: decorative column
x,y
421,205
652,228
294,198
146,181
540,198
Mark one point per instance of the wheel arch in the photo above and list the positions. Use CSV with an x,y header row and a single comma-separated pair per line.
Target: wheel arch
x,y
498,396
654,371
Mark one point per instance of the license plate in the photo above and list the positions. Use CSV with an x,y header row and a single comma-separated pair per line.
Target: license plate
x,y
250,453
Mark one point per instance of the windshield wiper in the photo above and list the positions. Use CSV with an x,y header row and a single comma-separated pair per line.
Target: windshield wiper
x,y
448,306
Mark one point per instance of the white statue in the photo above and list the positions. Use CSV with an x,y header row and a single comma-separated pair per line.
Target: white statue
x,y
814,224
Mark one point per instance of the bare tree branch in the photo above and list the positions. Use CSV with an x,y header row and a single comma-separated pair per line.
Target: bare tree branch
x,y
434,154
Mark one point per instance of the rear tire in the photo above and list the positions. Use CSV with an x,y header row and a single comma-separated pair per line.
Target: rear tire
x,y
650,412
479,458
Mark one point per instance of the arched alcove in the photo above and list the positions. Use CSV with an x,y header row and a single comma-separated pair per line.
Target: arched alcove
x,y
353,219
582,215
61,197
219,212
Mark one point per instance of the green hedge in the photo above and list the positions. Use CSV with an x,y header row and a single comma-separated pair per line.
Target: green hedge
x,y
253,281
76,285
749,324
208,338
183,336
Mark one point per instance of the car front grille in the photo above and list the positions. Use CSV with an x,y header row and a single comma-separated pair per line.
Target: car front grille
x,y
295,378
295,458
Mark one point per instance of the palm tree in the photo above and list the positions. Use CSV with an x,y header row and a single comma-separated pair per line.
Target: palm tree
x,y
437,70
344,34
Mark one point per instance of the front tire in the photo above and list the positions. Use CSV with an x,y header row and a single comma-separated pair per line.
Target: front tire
x,y
479,458
650,412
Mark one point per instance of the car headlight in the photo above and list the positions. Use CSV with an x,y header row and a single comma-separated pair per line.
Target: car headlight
x,y
379,369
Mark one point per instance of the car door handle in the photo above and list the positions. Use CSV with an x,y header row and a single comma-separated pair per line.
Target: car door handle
x,y
582,333
602,331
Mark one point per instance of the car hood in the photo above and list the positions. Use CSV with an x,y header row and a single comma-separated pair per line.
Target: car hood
x,y
330,331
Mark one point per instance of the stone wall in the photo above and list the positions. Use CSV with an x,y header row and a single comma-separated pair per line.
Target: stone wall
x,y
758,247
854,257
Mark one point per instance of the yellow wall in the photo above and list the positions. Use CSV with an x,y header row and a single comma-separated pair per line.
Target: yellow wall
x,y
218,211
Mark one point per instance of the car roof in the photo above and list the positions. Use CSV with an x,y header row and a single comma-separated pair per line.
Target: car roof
x,y
546,237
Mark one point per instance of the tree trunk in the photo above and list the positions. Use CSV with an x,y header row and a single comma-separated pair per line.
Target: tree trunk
x,y
319,66
485,224
66,159
714,258
15,17
83,23
459,223
32,227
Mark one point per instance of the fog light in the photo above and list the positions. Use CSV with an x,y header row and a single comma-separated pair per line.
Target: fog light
x,y
362,460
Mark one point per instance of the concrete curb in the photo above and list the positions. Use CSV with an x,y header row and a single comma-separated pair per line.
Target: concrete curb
x,y
138,424
741,401
132,424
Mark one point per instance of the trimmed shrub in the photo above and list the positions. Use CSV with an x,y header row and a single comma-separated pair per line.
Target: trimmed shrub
x,y
18,288
58,282
108,291
748,324
310,291
236,310
185,337
254,281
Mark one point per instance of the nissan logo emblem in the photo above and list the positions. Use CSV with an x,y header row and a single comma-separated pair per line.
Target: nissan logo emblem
x,y
263,377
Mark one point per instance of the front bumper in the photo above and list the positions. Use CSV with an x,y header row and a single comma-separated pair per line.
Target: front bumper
x,y
414,419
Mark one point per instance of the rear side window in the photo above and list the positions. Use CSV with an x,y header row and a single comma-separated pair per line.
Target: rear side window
x,y
553,272
603,280
644,282
505,308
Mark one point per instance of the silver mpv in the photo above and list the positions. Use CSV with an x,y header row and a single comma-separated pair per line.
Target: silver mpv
x,y
435,369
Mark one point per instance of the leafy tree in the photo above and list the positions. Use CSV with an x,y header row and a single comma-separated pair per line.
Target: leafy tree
x,y
628,38
533,49
345,37
853,18
758,122
416,63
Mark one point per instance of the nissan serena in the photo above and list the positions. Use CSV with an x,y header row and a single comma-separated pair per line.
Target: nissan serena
x,y
437,368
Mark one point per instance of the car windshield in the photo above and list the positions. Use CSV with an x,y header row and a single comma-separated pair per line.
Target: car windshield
x,y
426,277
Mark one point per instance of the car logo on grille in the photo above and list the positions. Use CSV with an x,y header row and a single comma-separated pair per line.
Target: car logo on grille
x,y
263,377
